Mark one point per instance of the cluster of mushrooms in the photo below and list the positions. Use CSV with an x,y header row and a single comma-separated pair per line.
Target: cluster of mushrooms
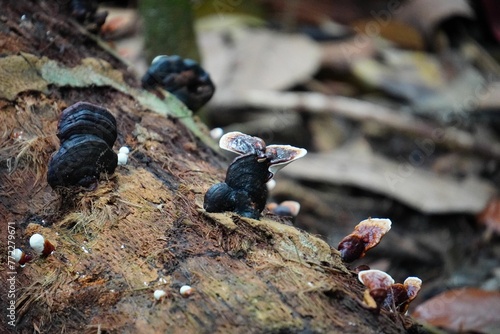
x,y
182,77
88,132
381,292
244,191
39,244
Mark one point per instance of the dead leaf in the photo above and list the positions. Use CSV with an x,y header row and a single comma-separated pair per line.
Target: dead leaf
x,y
242,59
403,181
463,310
490,216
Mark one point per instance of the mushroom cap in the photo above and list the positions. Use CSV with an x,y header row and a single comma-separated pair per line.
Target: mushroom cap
x,y
85,118
124,150
17,254
375,279
186,291
184,78
351,248
282,155
412,285
80,160
159,294
37,242
287,208
371,230
248,174
243,144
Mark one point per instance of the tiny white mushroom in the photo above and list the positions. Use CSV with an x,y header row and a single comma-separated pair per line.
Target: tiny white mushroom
x,y
17,254
216,133
271,184
40,245
37,242
124,149
186,291
122,159
159,294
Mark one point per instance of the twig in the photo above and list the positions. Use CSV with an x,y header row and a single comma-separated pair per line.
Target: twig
x,y
361,111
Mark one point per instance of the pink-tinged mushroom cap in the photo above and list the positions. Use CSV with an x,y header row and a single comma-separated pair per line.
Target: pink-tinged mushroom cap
x,y
412,285
375,279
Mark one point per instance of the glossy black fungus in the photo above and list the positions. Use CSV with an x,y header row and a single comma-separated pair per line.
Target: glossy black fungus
x,y
87,134
184,78
87,118
85,12
218,198
79,162
244,190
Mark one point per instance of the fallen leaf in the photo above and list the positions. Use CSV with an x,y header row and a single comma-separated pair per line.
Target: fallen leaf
x,y
423,190
490,216
241,59
462,310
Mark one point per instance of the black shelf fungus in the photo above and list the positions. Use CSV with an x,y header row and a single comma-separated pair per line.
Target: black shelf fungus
x,y
85,12
244,190
87,133
184,78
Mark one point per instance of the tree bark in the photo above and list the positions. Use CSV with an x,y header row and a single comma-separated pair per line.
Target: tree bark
x,y
143,228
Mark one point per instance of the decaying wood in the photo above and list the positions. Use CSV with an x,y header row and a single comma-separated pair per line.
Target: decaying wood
x,y
144,228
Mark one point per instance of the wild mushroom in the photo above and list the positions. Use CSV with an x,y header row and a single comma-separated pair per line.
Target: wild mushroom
x,y
365,236
285,208
21,257
123,155
186,291
87,133
40,245
382,292
184,78
244,190
159,294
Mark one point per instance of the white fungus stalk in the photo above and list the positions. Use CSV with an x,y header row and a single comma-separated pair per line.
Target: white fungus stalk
x,y
123,155
122,159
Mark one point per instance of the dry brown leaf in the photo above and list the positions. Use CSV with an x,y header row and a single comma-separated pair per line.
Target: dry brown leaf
x,y
463,310
242,59
490,216
403,181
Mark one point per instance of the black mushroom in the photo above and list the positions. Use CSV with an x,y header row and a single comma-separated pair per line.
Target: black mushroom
x,y
184,78
244,190
87,133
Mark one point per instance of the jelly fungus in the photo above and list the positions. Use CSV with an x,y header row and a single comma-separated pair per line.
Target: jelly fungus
x,y
365,236
382,292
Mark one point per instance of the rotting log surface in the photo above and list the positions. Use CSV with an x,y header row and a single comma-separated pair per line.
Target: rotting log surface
x,y
144,228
